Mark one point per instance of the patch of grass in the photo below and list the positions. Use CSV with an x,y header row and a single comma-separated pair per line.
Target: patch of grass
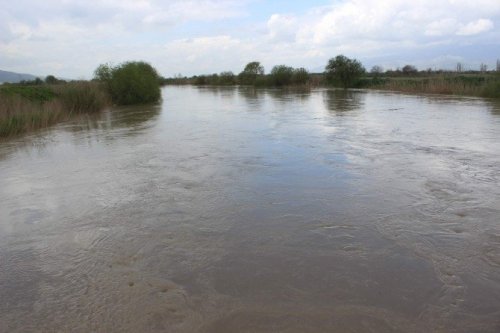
x,y
492,89
33,93
471,85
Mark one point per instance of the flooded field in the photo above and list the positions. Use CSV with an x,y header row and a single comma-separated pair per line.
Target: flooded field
x,y
241,210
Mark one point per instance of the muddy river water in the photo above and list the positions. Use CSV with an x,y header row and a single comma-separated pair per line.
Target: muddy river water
x,y
241,210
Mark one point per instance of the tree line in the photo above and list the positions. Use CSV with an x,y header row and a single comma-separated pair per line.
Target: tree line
x,y
340,70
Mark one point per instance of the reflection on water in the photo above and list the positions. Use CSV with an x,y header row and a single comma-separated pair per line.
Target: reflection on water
x,y
340,101
125,121
253,210
494,106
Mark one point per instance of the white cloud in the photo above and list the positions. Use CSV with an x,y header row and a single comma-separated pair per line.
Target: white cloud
x,y
397,20
282,28
370,28
442,27
476,27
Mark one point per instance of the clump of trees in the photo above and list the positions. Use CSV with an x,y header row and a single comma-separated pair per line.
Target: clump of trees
x,y
133,82
49,79
250,73
227,78
253,74
344,71
340,71
283,75
409,70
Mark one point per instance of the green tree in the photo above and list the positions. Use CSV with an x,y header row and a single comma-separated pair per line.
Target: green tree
x,y
300,76
226,78
200,80
103,73
409,70
255,68
250,73
51,79
281,75
344,71
133,82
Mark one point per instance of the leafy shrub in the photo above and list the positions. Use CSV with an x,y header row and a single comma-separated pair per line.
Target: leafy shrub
x,y
300,76
227,78
344,71
281,75
134,82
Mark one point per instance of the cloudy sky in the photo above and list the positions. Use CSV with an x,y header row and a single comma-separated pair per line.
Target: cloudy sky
x,y
70,38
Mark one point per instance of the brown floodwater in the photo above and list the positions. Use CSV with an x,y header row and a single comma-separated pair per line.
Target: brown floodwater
x,y
241,210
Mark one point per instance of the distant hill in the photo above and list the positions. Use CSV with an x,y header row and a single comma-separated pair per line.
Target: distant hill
x,y
12,77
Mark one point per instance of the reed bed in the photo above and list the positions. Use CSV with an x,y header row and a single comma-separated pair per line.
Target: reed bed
x,y
25,109
444,85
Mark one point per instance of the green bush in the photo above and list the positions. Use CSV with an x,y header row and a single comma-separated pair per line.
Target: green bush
x,y
227,78
281,75
134,82
300,76
344,71
262,81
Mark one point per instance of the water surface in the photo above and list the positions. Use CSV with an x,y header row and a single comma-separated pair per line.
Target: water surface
x,y
242,210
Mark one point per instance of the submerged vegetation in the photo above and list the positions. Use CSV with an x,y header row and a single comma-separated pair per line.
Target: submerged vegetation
x,y
40,103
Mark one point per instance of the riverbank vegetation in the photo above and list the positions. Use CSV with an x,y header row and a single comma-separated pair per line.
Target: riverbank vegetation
x,y
447,83
253,75
31,105
134,82
26,108
343,72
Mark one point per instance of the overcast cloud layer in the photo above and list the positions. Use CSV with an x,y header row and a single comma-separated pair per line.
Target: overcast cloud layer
x,y
70,38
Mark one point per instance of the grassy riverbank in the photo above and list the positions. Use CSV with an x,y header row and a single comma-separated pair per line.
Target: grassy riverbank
x,y
485,85
480,85
342,72
27,108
